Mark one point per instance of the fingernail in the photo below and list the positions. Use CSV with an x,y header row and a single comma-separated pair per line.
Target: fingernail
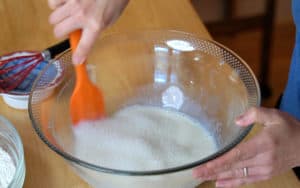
x,y
219,184
240,117
207,178
78,60
238,122
195,174
241,120
210,178
198,174
204,177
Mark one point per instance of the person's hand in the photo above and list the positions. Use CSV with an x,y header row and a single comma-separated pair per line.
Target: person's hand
x,y
273,151
92,16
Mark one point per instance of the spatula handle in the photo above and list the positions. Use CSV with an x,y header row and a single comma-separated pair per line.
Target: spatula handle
x,y
74,39
81,71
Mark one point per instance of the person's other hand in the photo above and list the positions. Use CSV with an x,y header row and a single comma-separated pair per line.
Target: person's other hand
x,y
92,16
273,151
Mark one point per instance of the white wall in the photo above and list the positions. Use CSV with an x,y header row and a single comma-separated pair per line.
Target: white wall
x,y
212,9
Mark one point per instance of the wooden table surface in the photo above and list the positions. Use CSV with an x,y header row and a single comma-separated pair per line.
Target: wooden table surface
x,y
24,25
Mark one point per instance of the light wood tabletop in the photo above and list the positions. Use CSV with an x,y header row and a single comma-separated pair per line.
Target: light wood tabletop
x,y
24,26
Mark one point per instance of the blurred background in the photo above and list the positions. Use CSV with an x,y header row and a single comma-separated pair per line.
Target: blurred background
x,y
260,31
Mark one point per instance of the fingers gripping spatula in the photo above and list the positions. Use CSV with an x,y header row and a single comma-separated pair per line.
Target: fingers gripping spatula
x,y
87,101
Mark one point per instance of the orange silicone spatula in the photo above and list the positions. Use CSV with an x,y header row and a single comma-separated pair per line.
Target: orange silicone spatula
x,y
86,102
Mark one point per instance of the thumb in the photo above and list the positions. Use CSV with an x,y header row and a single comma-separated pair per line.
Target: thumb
x,y
254,115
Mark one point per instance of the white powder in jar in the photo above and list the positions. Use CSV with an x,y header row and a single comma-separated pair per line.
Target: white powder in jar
x,y
7,169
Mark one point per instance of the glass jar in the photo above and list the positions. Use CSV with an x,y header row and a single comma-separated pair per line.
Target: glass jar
x,y
11,143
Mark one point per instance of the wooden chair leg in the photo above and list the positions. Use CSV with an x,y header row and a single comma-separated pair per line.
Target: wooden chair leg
x,y
268,27
230,25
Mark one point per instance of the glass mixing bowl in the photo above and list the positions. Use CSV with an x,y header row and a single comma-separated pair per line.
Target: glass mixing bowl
x,y
167,69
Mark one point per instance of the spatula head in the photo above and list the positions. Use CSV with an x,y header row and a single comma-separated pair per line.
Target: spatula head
x,y
86,103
